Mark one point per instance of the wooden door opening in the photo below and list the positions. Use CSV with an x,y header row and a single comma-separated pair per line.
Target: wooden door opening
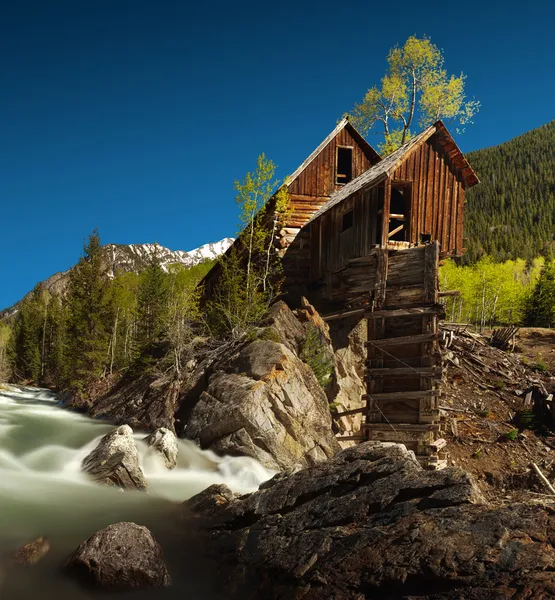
x,y
399,213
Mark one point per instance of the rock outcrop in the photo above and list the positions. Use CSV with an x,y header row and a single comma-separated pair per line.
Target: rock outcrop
x,y
123,556
115,461
370,523
261,397
164,442
266,404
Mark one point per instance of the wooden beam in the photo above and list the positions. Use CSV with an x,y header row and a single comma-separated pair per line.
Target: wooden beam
x,y
405,312
396,230
413,395
353,411
351,438
344,314
386,209
431,259
402,427
406,371
406,339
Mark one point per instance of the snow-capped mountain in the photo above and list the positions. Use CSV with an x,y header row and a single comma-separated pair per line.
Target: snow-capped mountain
x,y
135,257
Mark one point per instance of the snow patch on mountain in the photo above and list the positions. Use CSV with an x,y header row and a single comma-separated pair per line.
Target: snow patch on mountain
x,y
135,257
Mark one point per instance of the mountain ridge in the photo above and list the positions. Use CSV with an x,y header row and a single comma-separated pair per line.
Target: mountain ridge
x,y
512,213
134,257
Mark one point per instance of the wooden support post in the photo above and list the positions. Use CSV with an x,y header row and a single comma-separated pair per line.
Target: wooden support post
x,y
386,211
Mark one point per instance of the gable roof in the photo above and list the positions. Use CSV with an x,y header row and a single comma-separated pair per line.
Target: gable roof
x,y
344,123
387,166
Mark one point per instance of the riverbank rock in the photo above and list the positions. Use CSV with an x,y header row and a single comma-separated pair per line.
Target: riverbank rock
x,y
115,461
370,523
31,553
266,404
164,442
266,396
123,556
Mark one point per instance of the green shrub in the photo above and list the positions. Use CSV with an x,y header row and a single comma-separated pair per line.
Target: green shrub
x,y
540,366
510,436
315,354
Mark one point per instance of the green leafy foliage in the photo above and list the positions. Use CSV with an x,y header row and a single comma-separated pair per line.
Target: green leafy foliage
x,y
490,293
315,354
250,273
416,85
101,325
510,436
511,214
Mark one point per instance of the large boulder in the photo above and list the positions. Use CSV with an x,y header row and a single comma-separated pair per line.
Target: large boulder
x,y
267,404
164,442
115,461
124,556
371,523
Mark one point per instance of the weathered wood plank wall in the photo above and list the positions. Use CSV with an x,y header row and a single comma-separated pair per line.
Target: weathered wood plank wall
x,y
437,196
315,184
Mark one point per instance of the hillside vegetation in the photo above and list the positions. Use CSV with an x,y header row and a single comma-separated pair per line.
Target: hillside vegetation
x,y
512,213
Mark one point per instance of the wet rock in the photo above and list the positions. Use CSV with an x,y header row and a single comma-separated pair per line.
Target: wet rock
x,y
31,553
164,442
266,404
371,523
115,461
124,556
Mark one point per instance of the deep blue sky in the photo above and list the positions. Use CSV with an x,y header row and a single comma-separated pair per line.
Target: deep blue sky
x,y
135,117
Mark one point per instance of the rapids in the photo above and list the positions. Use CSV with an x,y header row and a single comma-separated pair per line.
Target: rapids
x,y
44,493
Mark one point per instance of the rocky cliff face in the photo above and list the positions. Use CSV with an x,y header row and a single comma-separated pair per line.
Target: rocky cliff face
x,y
256,398
370,523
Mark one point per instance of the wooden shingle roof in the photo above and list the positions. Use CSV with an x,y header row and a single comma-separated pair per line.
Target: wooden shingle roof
x,y
387,166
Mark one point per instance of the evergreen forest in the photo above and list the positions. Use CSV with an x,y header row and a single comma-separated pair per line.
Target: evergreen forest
x,y
511,214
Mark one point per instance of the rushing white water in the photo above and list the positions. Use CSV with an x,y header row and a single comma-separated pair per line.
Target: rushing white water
x,y
44,492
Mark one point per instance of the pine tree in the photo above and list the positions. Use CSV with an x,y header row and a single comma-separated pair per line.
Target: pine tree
x,y
26,342
88,337
152,306
540,308
5,362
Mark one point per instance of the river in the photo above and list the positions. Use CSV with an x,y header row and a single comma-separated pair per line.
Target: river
x,y
44,493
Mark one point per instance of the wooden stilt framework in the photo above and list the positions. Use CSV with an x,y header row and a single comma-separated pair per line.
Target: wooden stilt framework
x,y
403,368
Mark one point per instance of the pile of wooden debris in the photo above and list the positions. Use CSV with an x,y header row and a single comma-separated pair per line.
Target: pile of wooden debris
x,y
499,410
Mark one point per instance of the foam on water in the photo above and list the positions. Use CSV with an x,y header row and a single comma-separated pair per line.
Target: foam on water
x,y
43,489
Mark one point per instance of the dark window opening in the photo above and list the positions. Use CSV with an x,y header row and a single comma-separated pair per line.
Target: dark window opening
x,y
399,214
425,238
348,221
344,165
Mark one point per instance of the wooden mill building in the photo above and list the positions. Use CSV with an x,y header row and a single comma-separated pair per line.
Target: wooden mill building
x,y
363,240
